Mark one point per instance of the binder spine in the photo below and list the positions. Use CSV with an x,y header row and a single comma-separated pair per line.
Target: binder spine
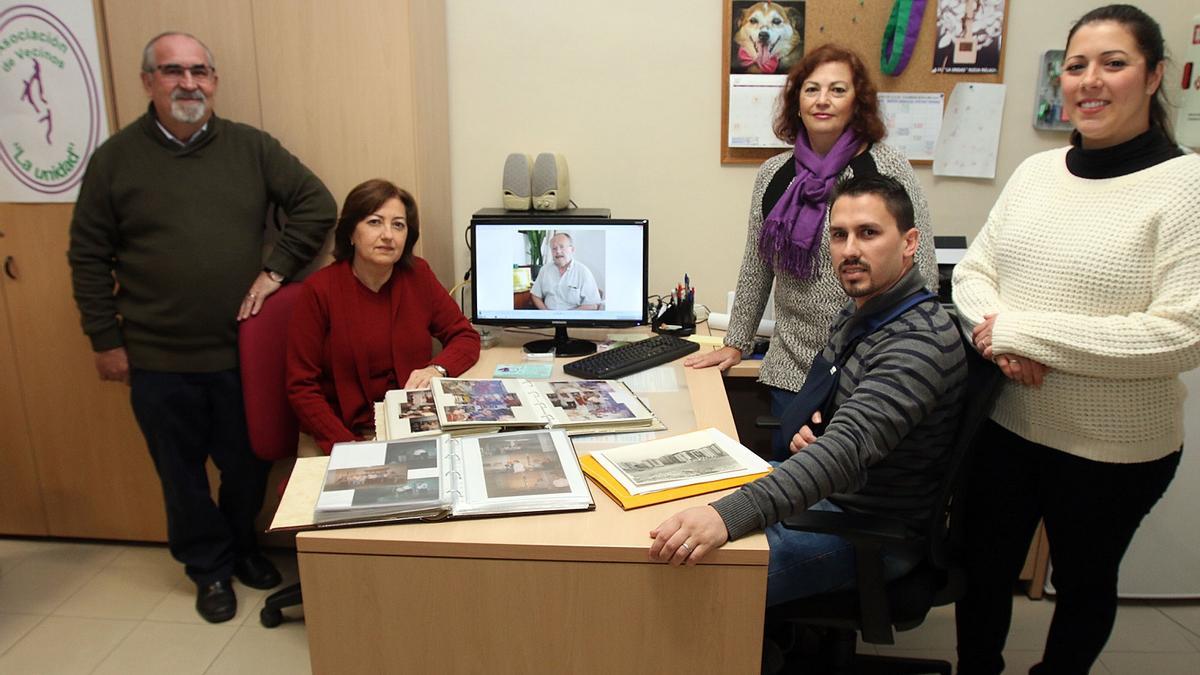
x,y
539,400
453,471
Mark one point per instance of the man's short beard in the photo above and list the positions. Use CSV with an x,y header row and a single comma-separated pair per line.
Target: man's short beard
x,y
188,110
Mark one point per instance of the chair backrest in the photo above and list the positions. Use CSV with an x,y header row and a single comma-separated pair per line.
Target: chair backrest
x,y
982,388
262,354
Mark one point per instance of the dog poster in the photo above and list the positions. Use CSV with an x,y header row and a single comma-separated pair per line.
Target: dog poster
x,y
765,40
768,37
969,36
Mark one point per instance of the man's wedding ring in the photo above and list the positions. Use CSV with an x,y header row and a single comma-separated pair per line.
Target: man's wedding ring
x,y
686,547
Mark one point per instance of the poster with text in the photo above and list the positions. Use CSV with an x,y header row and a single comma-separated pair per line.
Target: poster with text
x,y
969,36
52,106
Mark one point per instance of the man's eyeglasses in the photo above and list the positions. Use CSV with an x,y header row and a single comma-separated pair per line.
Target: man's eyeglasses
x,y
174,71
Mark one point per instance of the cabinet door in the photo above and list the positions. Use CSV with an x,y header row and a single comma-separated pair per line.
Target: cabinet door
x,y
21,509
94,471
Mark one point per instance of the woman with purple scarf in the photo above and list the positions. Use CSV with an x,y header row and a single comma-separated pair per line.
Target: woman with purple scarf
x,y
830,110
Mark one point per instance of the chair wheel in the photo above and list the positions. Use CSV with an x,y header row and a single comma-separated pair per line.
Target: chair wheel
x,y
270,618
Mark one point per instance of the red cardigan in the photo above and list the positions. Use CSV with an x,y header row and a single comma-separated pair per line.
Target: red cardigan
x,y
327,367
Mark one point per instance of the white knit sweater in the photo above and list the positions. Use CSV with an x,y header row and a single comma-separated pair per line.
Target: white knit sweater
x,y
1099,279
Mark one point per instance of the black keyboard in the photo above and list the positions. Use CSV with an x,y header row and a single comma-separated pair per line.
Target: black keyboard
x,y
622,361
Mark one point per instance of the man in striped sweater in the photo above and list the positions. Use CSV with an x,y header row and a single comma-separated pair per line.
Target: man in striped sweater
x,y
895,403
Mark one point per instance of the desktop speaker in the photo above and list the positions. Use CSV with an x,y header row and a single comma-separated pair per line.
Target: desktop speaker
x,y
516,181
550,184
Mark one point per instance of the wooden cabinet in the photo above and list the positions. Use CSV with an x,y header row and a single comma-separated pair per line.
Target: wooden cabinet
x,y
92,470
75,464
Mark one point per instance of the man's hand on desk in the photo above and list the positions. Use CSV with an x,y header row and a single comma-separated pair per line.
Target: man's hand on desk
x,y
688,536
724,358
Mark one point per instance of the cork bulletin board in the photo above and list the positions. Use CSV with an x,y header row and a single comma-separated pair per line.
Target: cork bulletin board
x,y
857,25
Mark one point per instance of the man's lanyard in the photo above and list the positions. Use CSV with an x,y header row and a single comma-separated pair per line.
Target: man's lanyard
x,y
821,384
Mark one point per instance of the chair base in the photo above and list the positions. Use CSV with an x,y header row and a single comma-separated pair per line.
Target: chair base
x,y
834,651
272,614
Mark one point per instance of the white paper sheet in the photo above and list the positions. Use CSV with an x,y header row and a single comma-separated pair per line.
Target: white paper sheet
x,y
970,136
752,110
913,122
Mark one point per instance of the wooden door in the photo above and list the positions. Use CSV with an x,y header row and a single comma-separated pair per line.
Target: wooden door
x,y
21,510
374,109
94,471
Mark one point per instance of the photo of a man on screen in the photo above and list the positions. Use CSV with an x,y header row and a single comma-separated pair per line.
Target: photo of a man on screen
x,y
568,283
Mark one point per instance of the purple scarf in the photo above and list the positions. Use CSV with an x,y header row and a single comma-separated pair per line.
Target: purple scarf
x,y
791,234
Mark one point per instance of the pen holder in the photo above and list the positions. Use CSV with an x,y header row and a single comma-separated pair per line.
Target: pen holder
x,y
676,318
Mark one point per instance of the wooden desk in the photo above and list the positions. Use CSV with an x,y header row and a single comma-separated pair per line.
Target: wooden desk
x,y
568,592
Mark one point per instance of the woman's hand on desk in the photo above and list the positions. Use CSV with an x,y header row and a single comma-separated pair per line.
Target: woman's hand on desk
x,y
724,358
688,536
419,379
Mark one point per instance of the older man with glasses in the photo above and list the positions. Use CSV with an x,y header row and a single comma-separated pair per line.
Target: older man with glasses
x,y
172,209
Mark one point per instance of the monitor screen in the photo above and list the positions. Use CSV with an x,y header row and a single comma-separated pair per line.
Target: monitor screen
x,y
586,272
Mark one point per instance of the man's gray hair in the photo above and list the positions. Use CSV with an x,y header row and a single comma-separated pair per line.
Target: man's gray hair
x,y
148,63
560,233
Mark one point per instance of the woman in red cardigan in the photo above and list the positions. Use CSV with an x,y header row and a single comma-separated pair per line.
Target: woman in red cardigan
x,y
366,323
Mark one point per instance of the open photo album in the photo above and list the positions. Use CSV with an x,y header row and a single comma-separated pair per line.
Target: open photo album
x,y
458,406
673,468
442,477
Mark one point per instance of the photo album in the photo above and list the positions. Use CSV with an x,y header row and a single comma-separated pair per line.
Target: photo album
x,y
458,406
672,468
438,477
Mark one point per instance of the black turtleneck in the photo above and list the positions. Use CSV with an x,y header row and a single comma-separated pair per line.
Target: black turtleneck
x,y
1140,152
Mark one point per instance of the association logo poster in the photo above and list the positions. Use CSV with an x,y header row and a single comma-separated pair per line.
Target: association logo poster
x,y
52,110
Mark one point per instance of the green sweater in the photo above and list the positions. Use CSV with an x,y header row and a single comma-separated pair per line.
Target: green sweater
x,y
181,229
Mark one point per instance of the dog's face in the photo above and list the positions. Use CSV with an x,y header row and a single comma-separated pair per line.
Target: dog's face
x,y
768,26
767,37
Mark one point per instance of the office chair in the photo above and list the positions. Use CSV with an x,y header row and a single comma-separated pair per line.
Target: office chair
x,y
273,428
875,606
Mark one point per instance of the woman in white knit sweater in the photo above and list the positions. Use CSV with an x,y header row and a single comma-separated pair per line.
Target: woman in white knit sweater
x,y
1084,287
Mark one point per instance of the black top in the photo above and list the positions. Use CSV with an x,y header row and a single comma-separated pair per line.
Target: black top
x,y
1140,152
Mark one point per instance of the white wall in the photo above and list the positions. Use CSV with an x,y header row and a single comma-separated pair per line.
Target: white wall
x,y
629,91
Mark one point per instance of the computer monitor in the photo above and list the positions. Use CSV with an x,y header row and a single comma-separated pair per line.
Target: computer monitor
x,y
555,272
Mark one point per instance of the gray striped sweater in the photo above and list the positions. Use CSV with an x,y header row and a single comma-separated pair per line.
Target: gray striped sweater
x,y
885,448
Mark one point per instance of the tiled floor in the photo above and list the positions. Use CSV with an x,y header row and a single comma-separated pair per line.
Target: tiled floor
x,y
69,607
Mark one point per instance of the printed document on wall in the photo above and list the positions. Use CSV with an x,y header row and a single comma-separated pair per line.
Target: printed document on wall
x,y
970,136
752,109
913,122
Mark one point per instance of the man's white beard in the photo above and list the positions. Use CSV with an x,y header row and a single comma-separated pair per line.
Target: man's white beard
x,y
188,110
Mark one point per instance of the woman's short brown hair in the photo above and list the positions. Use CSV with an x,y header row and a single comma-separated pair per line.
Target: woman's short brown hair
x,y
362,201
864,119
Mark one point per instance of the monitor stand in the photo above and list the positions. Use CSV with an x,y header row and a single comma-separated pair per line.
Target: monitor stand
x,y
561,344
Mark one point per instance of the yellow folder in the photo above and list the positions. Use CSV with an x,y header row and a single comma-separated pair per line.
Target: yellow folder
x,y
620,495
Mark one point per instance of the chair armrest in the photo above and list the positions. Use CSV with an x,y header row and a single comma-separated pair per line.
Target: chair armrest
x,y
851,526
766,422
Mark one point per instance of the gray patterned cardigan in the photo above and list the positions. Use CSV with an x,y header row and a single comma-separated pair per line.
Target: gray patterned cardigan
x,y
804,308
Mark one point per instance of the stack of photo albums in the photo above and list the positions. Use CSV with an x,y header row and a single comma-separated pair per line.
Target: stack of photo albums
x,y
439,454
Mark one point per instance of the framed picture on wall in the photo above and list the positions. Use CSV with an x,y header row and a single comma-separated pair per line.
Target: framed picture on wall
x,y
760,42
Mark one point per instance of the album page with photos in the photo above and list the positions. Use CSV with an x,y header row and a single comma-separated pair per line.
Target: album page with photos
x,y
437,477
594,405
